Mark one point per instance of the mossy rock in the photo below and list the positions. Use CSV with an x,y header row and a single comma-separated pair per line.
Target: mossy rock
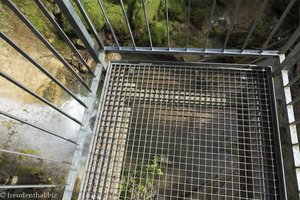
x,y
177,10
138,18
158,33
116,17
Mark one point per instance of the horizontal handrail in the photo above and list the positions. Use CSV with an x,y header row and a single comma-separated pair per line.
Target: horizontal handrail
x,y
33,156
29,186
16,83
34,126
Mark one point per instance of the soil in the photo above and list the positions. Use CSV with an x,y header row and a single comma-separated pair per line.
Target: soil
x,y
18,67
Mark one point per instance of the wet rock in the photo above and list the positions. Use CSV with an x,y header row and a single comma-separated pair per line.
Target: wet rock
x,y
112,57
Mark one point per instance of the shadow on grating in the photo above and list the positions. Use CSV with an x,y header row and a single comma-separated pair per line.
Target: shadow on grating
x,y
184,132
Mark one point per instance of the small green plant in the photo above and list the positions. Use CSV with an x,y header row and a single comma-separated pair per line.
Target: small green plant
x,y
140,184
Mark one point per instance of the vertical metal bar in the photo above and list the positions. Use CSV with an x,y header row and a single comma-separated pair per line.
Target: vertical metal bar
x,y
34,126
283,16
41,68
237,7
127,23
293,81
282,179
188,25
45,42
33,156
73,18
7,77
254,24
62,33
89,23
147,23
291,41
290,60
94,138
108,22
167,23
212,12
292,129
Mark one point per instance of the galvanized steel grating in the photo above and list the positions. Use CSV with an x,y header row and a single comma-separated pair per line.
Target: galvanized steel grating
x,y
203,131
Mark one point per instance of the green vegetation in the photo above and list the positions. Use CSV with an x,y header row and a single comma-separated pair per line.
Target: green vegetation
x,y
93,10
116,17
3,15
177,10
35,16
140,185
158,33
138,18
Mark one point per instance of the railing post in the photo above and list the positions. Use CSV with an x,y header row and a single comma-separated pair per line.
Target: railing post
x,y
73,18
290,116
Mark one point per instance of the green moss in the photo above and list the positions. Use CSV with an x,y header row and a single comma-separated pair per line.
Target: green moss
x,y
177,10
93,10
3,15
198,17
138,18
116,17
35,16
158,33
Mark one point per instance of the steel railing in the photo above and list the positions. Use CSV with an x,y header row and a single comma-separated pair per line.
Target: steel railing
x,y
87,104
289,55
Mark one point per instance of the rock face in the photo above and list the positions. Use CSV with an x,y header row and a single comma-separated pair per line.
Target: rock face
x,y
112,57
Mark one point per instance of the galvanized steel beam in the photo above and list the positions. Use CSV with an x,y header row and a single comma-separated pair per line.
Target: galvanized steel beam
x,y
63,34
83,132
208,51
73,18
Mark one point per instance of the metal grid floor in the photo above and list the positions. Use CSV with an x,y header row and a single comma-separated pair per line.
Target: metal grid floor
x,y
185,132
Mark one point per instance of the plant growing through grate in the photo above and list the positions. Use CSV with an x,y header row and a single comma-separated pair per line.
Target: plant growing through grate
x,y
185,132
